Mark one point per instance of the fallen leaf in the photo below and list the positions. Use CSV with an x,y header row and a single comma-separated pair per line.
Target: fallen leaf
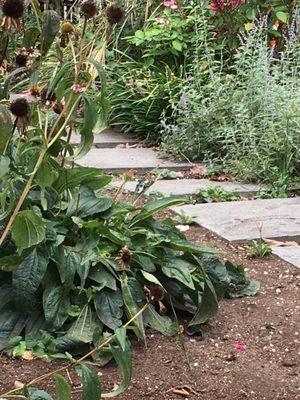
x,y
19,385
28,356
181,392
277,243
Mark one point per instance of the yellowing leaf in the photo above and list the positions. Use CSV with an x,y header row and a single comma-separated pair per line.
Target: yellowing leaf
x,y
248,26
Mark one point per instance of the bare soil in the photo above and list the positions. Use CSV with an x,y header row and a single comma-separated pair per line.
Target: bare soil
x,y
268,369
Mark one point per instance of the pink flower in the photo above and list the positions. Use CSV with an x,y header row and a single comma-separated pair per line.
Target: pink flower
x,y
236,3
240,346
161,20
217,5
78,88
171,4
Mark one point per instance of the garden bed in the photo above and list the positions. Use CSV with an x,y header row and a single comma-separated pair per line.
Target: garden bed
x,y
268,324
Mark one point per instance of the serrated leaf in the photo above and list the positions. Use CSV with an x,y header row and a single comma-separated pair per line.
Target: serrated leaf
x,y
56,303
90,384
28,229
27,278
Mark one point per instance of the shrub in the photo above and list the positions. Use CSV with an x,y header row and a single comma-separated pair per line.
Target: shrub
x,y
248,119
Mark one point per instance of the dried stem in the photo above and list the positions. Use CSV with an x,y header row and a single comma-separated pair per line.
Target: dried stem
x,y
80,360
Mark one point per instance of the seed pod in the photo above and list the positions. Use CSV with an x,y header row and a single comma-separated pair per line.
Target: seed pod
x,y
89,9
67,27
20,108
21,60
13,8
114,14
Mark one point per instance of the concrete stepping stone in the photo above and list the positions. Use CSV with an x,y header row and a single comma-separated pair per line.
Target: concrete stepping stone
x,y
246,220
120,160
289,254
109,138
170,187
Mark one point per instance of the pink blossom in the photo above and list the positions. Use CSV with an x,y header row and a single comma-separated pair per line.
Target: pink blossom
x,y
236,3
171,4
240,346
161,20
78,88
217,5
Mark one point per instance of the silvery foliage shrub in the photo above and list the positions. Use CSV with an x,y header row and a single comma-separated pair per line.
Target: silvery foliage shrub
x,y
245,116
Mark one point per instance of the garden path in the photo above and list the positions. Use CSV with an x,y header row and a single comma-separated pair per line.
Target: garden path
x,y
238,221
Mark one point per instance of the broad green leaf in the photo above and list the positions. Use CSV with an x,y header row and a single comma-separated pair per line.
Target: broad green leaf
x,y
124,362
90,384
12,323
50,28
179,270
38,394
89,122
89,205
177,45
4,164
10,263
121,336
153,207
6,127
83,328
67,267
47,174
160,323
150,277
28,229
131,307
108,305
71,178
103,277
282,16
27,278
184,245
63,390
56,303
208,305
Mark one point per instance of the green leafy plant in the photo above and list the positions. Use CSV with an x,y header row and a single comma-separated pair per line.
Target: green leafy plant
x,y
216,194
247,120
258,249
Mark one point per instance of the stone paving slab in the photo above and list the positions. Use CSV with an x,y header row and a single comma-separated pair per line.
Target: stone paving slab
x,y
241,220
189,186
289,254
109,138
120,160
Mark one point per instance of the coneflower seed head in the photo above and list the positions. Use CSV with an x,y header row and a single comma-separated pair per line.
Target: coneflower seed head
x,y
89,9
13,8
19,108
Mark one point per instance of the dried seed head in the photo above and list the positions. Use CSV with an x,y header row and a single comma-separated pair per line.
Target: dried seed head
x,y
21,60
114,14
47,98
155,293
67,27
13,8
20,108
35,91
89,9
125,256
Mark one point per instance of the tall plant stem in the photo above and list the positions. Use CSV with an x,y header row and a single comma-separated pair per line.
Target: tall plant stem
x,y
81,44
23,196
36,168
80,360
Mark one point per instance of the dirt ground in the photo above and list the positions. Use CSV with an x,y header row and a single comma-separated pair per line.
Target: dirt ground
x,y
268,369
